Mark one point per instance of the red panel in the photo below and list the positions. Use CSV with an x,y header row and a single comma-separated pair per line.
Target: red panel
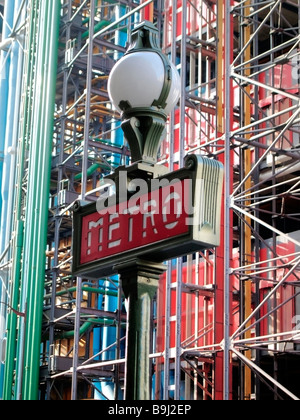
x,y
156,216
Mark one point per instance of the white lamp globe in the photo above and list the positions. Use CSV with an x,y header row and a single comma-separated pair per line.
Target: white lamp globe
x,y
174,94
138,79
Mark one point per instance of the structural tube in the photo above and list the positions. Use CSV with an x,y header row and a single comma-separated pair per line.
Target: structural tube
x,y
17,244
4,66
38,191
10,90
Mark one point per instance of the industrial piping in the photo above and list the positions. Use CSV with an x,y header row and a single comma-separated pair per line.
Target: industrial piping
x,y
34,255
17,244
10,92
35,233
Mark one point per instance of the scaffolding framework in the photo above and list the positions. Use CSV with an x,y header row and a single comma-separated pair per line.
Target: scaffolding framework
x,y
225,322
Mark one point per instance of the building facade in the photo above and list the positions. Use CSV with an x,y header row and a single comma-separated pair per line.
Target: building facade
x,y
224,321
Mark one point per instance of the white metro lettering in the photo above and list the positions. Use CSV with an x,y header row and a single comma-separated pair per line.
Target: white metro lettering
x,y
93,225
166,210
149,209
113,229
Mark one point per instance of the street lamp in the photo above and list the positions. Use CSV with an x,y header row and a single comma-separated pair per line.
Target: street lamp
x,y
144,87
180,215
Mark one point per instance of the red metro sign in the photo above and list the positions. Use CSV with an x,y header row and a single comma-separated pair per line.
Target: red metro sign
x,y
167,217
154,217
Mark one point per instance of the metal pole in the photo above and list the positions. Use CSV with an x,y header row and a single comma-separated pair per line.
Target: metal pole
x,y
181,157
178,330
76,339
169,272
83,189
183,82
58,219
118,342
227,254
88,101
126,16
246,120
167,332
139,282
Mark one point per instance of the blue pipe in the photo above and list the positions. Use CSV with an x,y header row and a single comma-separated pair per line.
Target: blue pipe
x,y
104,337
108,338
11,138
97,336
4,87
97,344
109,334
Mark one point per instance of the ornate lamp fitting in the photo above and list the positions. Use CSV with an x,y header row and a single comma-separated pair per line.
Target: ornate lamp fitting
x,y
144,86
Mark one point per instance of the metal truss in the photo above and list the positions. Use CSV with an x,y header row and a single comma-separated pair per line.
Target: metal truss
x,y
252,125
264,136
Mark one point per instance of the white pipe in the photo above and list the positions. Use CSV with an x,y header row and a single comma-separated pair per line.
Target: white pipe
x,y
11,141
6,44
293,333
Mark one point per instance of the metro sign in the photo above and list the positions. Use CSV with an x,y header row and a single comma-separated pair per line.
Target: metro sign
x,y
171,216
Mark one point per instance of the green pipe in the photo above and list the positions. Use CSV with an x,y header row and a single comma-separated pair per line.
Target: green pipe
x,y
37,235
32,357
84,289
90,171
100,291
83,329
98,27
12,317
27,134
88,324
86,20
33,214
108,142
19,227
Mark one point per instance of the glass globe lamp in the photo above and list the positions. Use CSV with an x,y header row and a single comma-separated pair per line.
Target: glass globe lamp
x,y
144,86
